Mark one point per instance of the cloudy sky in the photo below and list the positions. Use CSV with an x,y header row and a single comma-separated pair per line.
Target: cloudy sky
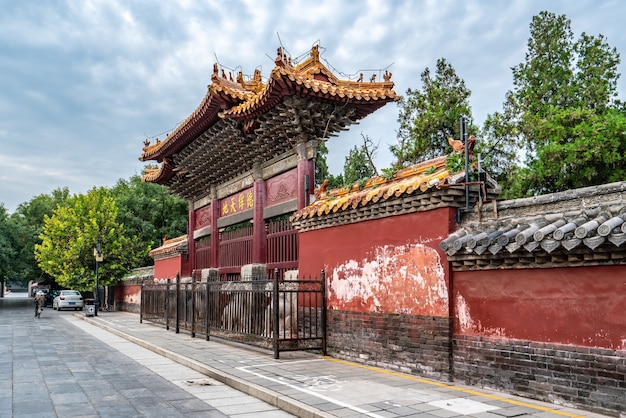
x,y
84,82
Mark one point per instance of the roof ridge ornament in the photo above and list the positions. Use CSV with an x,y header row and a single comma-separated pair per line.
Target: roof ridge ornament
x,y
315,53
282,60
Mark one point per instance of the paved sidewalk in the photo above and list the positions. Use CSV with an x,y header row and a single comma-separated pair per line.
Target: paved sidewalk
x,y
61,366
309,385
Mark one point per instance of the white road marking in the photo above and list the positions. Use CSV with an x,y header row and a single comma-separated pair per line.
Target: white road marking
x,y
337,402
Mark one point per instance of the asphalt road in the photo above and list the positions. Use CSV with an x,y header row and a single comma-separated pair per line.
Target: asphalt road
x,y
60,366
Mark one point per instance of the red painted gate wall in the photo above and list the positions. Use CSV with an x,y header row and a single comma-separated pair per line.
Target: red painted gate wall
x,y
387,289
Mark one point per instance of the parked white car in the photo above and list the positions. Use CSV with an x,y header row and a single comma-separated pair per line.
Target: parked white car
x,y
71,299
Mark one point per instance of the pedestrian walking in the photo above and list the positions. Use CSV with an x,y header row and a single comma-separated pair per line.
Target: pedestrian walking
x,y
40,301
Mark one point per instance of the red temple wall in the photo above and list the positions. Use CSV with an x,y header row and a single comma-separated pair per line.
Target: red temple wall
x,y
387,289
168,267
127,297
582,306
389,265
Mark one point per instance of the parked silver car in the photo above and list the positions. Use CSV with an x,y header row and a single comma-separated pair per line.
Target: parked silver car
x,y
68,299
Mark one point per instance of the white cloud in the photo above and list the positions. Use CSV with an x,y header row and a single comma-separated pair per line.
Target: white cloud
x,y
82,82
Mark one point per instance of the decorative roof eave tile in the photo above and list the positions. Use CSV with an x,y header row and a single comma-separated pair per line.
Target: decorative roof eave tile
x,y
424,186
154,173
170,247
206,114
578,227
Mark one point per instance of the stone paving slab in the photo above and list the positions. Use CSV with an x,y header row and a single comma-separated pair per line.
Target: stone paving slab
x,y
309,385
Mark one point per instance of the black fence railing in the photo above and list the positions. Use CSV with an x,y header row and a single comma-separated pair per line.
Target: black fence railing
x,y
278,314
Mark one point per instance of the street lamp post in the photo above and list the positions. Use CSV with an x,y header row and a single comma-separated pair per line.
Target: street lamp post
x,y
98,255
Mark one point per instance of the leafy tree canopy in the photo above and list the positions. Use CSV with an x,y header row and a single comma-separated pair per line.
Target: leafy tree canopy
x,y
8,250
359,162
149,212
28,222
428,117
562,112
70,235
580,147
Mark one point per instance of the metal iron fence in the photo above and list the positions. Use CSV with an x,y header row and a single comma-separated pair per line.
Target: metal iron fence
x,y
284,315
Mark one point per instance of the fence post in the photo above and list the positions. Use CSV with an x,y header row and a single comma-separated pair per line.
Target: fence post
x,y
323,294
141,302
177,307
167,304
275,319
193,306
206,308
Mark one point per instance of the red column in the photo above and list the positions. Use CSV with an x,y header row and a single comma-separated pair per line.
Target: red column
x,y
191,243
306,171
259,240
215,233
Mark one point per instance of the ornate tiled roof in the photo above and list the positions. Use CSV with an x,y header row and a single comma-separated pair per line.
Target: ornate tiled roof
x,y
578,227
174,246
242,122
424,186
314,78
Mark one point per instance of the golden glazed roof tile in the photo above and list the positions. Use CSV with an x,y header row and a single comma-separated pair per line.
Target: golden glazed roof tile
x,y
420,177
176,245
307,75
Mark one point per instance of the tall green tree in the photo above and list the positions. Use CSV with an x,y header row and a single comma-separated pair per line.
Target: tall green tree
x,y
321,168
71,234
359,163
28,223
430,115
580,147
149,212
561,112
8,248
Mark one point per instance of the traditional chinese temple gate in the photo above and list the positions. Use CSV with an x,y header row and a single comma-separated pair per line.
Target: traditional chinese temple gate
x,y
236,249
244,159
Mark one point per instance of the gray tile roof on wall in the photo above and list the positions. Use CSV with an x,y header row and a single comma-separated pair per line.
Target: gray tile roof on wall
x,y
580,227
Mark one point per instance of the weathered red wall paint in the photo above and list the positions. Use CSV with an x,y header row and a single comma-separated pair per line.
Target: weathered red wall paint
x,y
168,267
130,294
583,306
388,265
